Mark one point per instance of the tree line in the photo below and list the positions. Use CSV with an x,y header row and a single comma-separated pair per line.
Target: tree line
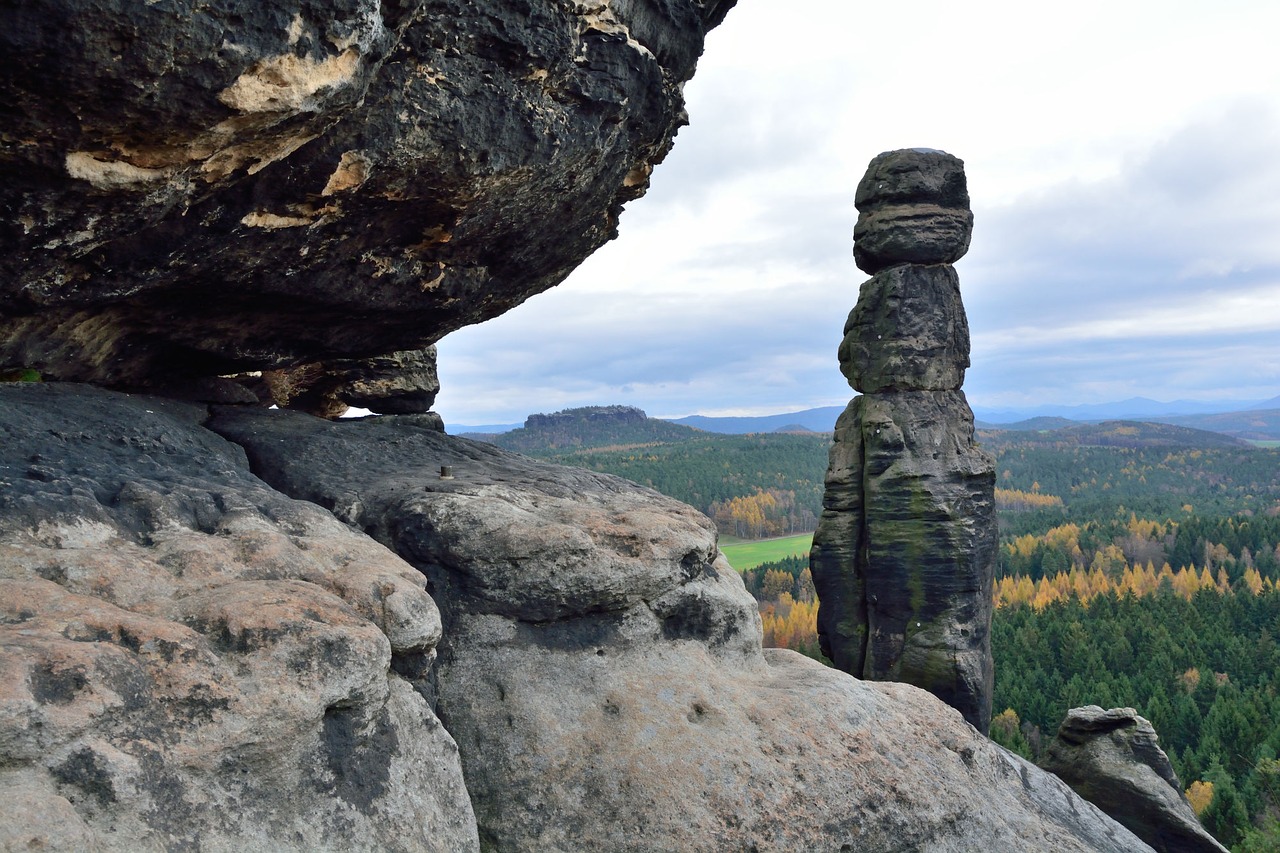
x,y
1201,665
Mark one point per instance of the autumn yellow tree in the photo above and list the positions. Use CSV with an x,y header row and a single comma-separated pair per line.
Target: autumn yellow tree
x,y
791,624
1200,796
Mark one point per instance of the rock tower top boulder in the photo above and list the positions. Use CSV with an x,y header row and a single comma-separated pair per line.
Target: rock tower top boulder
x,y
913,208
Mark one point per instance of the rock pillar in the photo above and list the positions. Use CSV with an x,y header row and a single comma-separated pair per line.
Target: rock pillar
x,y
904,556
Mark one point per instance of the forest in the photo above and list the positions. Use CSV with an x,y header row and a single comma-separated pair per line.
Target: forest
x,y
753,486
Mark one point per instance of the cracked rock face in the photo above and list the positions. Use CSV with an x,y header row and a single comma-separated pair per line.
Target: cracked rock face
x,y
908,332
189,658
202,189
601,669
1113,759
905,548
903,559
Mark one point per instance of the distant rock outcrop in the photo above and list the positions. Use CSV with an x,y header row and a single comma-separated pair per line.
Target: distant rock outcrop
x,y
1113,759
191,660
590,414
192,190
590,426
601,669
904,556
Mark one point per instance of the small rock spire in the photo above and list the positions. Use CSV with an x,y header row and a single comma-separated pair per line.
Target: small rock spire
x,y
904,555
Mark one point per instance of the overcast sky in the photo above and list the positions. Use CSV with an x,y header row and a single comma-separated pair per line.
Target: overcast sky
x,y
1124,167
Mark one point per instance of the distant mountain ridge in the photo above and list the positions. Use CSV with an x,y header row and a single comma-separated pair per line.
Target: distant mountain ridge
x,y
815,420
1134,408
1115,434
1253,424
480,429
1258,421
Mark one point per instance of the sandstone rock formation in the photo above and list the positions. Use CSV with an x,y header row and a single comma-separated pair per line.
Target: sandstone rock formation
x,y
201,189
913,207
904,556
1113,759
601,669
191,660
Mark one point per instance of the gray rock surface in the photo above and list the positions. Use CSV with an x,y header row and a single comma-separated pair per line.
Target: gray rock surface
x,y
904,556
908,332
601,669
904,552
196,189
1113,759
191,660
913,207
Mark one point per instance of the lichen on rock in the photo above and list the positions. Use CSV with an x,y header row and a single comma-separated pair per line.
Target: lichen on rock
x,y
191,659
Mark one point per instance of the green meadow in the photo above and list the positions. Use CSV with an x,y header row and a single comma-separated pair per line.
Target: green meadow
x,y
747,554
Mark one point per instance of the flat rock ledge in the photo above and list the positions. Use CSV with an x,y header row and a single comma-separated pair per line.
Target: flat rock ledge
x,y
601,669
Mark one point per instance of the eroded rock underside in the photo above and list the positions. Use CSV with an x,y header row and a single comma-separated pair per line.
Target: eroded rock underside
x,y
194,189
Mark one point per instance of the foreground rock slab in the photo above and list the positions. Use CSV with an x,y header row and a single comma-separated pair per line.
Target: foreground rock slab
x,y
1113,759
602,674
191,660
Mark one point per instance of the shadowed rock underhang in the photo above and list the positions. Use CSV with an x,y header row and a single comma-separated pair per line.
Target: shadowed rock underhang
x,y
904,555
